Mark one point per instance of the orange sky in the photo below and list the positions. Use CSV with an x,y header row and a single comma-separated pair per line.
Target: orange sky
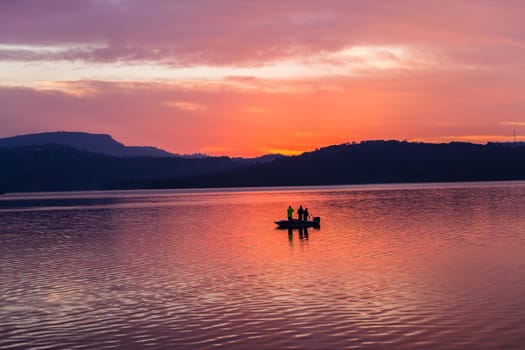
x,y
248,78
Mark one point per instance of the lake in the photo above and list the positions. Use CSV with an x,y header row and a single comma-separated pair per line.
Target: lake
x,y
415,266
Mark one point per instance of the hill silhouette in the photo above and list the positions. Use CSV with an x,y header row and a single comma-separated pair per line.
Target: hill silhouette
x,y
53,167
61,168
96,143
368,162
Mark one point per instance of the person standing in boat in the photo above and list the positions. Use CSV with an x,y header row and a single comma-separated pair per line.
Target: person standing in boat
x,y
300,212
305,214
290,212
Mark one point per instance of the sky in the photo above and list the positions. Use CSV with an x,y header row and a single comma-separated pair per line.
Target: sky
x,y
251,77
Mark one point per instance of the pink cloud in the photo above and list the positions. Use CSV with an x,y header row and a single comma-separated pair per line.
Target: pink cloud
x,y
253,32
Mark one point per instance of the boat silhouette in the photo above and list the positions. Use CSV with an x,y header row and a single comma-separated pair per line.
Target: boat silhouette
x,y
295,223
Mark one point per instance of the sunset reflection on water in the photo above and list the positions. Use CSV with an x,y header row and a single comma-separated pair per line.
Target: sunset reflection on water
x,y
392,266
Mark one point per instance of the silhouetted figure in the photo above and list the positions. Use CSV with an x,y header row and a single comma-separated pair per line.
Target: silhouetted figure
x,y
290,212
305,214
300,212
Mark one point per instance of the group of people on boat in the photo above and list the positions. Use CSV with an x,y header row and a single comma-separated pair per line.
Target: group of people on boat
x,y
301,213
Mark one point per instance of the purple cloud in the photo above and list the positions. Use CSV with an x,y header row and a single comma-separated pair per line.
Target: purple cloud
x,y
254,32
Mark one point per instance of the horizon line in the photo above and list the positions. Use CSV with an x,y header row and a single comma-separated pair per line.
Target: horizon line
x,y
285,153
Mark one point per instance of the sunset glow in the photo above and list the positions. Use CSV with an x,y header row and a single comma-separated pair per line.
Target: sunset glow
x,y
248,78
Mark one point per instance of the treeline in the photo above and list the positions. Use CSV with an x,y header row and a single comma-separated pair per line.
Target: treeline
x,y
367,162
61,168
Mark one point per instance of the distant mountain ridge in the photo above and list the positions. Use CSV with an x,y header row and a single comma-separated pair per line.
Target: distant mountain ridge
x,y
96,143
55,167
366,162
65,161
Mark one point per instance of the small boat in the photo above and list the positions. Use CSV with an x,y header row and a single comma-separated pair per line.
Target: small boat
x,y
295,223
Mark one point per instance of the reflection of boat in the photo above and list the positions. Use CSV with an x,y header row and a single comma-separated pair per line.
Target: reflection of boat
x,y
294,223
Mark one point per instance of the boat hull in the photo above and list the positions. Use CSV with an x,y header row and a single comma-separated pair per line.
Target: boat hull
x,y
297,223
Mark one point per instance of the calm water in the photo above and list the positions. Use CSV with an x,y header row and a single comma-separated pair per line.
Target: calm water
x,y
392,267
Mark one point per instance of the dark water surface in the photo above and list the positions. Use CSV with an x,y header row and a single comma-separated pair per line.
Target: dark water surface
x,y
392,267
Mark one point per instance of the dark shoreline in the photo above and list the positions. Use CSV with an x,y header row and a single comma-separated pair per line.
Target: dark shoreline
x,y
60,168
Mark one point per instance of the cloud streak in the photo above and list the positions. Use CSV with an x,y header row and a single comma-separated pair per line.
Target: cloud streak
x,y
251,33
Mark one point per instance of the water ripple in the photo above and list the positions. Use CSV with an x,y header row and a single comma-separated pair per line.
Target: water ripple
x,y
396,268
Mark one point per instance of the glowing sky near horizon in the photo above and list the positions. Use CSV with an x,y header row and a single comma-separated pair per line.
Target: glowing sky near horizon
x,y
246,78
